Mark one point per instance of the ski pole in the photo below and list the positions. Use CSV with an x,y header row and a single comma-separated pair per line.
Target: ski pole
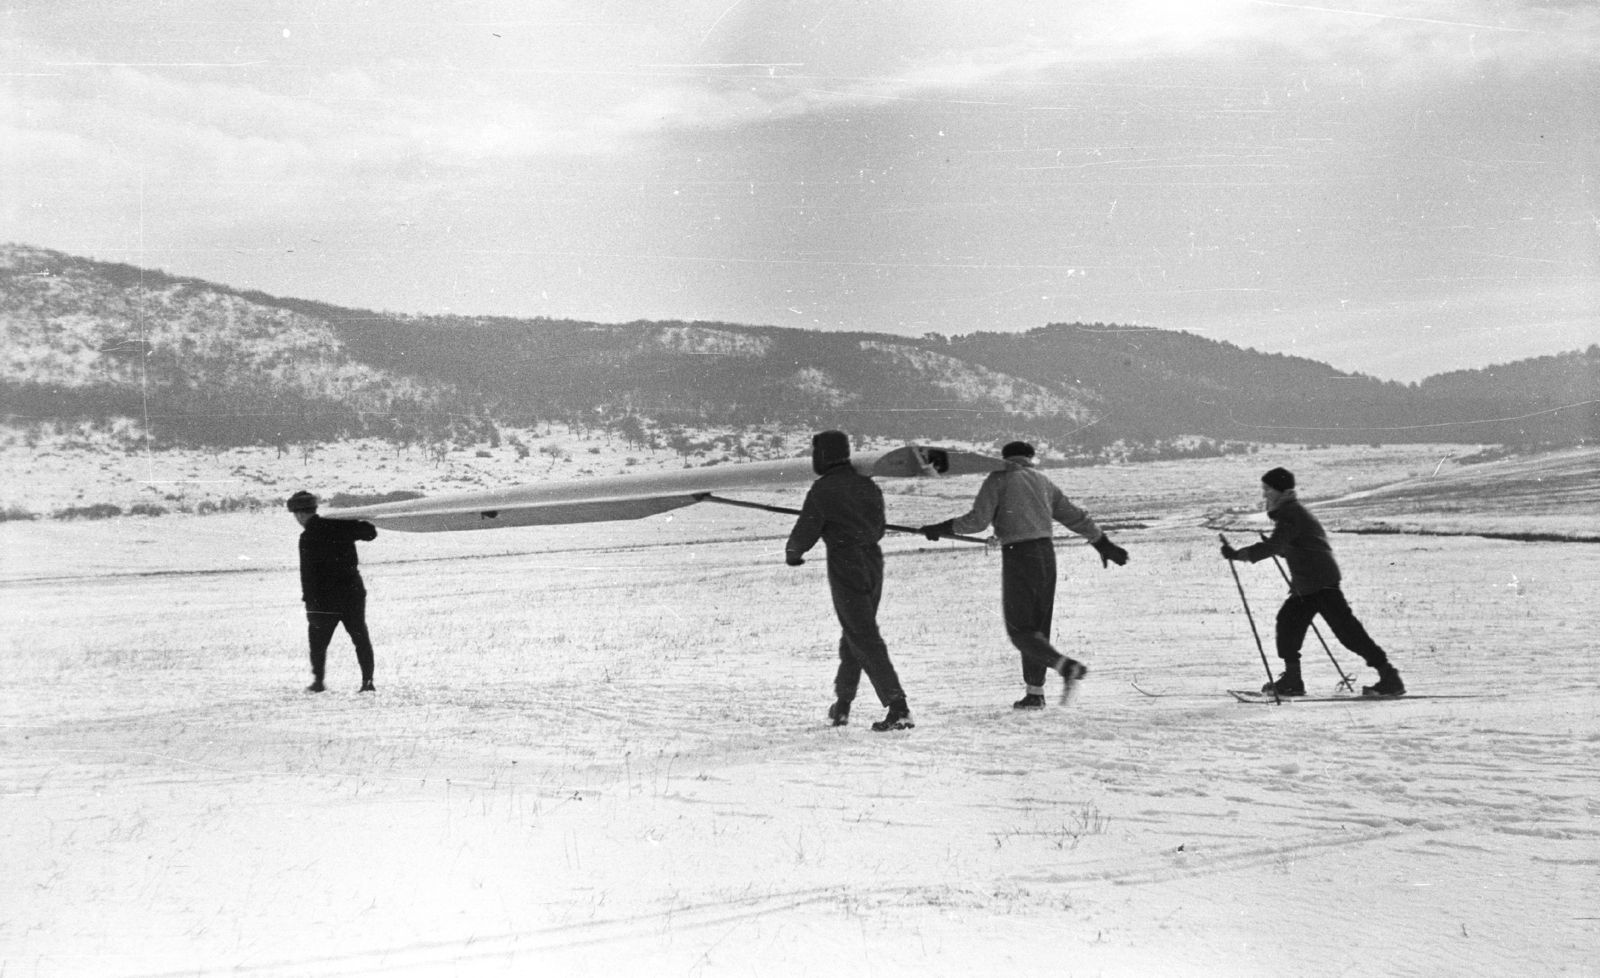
x,y
1345,682
1236,582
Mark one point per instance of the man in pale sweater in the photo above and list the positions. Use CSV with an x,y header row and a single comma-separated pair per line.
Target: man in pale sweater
x,y
1023,505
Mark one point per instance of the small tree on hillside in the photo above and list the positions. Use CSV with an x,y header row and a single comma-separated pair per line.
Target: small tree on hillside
x,y
632,431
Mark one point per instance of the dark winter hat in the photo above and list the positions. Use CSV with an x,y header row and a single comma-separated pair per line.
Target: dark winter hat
x,y
830,446
1280,479
1017,448
302,502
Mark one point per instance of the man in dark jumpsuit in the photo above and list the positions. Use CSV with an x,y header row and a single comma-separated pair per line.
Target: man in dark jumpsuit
x,y
1313,590
330,586
1024,506
844,509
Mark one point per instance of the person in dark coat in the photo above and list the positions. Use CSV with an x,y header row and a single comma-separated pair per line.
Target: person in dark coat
x,y
1313,590
844,509
331,587
1024,506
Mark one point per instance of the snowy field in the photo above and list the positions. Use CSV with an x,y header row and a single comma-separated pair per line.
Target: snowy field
x,y
601,750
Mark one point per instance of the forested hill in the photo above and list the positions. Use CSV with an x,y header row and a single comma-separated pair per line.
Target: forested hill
x,y
94,341
1150,378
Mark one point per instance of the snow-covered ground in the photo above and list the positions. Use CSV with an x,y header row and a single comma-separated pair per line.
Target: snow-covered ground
x,y
601,750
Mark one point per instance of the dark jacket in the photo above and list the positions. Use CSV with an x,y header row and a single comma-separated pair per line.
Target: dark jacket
x,y
844,509
328,574
1302,542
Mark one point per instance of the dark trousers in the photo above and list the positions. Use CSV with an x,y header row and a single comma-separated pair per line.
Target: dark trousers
x,y
855,576
320,626
1295,617
1028,600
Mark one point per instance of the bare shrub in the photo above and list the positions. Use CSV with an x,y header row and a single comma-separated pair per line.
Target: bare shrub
x,y
96,511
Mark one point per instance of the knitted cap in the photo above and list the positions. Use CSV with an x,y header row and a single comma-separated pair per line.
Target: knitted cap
x,y
1017,448
1280,479
830,446
302,502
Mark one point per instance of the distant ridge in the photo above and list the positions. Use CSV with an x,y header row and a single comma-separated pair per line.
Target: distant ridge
x,y
105,343
1152,379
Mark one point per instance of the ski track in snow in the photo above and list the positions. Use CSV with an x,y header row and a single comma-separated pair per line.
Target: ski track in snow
x,y
591,769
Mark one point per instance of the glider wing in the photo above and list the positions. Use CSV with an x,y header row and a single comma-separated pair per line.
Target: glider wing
x,y
632,497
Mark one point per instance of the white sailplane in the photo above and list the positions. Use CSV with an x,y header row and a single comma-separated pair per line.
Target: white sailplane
x,y
632,497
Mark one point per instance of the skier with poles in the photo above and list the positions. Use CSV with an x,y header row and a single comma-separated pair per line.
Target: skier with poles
x,y
1314,590
1346,683
844,509
1023,504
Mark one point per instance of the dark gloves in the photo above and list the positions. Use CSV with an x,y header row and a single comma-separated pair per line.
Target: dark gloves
x,y
933,531
1228,553
793,559
1109,552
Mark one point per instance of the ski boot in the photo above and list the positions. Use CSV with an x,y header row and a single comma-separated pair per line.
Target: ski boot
x,y
316,686
1032,701
1288,683
1388,684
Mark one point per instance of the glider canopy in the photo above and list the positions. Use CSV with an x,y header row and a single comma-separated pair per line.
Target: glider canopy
x,y
632,497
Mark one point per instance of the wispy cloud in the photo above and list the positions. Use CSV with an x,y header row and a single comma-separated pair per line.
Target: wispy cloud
x,y
1037,47
340,118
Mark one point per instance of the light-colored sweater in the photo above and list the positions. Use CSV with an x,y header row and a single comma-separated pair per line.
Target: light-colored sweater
x,y
1022,502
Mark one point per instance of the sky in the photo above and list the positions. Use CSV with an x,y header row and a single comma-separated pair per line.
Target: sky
x,y
1397,188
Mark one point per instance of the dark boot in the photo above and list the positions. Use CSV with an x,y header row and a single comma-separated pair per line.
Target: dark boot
x,y
898,717
1389,683
839,713
316,686
1288,682
367,687
1032,701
